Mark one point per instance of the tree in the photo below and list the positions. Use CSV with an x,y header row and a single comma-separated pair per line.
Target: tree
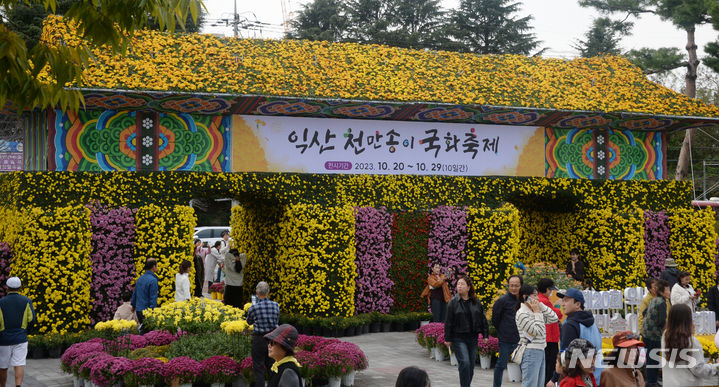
x,y
712,48
100,22
490,27
603,37
369,21
417,24
26,19
192,25
320,20
685,15
705,143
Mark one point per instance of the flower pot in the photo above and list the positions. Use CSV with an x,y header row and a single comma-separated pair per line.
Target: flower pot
x,y
438,354
349,331
431,353
217,384
514,373
213,295
386,326
349,379
220,296
423,323
185,385
365,329
397,326
337,332
327,332
453,359
484,362
77,381
412,325
335,381
375,327
38,353
54,352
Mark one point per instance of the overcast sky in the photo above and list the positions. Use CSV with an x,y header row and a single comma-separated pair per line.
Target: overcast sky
x,y
558,23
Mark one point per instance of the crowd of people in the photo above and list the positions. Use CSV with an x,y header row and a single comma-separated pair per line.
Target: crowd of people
x,y
551,353
528,327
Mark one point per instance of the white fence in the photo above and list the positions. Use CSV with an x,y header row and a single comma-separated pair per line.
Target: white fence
x,y
607,306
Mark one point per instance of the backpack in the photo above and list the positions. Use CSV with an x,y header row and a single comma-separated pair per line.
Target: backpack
x,y
592,335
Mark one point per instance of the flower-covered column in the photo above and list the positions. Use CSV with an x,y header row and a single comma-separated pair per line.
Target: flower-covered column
x,y
447,241
408,269
373,238
113,238
656,242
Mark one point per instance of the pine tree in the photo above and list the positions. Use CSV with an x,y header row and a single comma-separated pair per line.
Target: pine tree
x,y
320,20
491,27
603,38
417,24
685,15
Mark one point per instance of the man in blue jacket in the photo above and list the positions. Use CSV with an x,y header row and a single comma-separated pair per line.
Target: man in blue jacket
x,y
503,312
16,316
145,294
579,324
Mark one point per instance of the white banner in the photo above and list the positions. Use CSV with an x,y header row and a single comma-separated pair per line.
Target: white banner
x,y
326,145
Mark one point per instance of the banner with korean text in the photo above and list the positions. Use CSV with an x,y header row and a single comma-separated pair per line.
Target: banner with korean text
x,y
328,145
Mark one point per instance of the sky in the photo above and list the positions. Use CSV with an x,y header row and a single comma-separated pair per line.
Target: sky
x,y
557,23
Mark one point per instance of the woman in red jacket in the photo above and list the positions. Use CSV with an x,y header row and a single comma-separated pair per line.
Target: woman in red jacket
x,y
545,288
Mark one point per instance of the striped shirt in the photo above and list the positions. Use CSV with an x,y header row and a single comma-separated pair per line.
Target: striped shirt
x,y
265,315
532,326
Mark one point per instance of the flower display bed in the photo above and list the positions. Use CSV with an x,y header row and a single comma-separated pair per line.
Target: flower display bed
x,y
199,341
431,337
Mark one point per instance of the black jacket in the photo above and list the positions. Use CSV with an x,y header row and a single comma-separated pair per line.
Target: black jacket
x,y
713,299
503,319
456,322
578,273
671,275
285,376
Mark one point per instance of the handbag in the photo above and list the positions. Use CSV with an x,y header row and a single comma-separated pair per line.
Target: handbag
x,y
518,353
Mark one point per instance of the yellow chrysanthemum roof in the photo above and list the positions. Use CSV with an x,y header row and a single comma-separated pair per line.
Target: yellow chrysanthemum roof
x,y
192,63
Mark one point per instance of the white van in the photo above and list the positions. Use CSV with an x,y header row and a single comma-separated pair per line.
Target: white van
x,y
210,234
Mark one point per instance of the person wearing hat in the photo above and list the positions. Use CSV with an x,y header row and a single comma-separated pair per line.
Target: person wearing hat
x,y
17,315
579,324
623,362
577,362
285,372
670,273
545,288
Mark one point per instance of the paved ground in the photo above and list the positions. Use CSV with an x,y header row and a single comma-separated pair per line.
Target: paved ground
x,y
388,353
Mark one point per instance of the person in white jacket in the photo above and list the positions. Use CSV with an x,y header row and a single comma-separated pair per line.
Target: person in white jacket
x,y
683,293
684,364
531,318
212,260
182,282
